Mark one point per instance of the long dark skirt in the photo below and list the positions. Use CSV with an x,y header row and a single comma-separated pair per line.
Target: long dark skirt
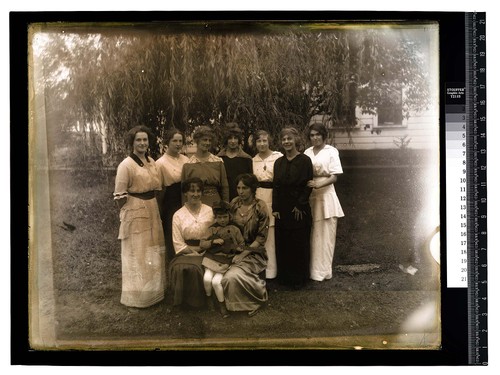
x,y
244,290
292,254
171,203
186,281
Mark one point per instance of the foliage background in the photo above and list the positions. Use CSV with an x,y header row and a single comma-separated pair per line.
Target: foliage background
x,y
100,81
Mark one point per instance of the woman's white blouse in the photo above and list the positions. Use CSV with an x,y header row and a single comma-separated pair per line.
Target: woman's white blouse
x,y
324,201
185,226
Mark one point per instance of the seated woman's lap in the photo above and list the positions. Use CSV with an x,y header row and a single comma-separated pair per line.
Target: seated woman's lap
x,y
186,281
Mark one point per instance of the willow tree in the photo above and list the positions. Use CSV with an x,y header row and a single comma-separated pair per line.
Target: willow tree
x,y
118,77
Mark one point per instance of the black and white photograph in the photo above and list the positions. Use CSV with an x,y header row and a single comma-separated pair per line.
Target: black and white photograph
x,y
234,184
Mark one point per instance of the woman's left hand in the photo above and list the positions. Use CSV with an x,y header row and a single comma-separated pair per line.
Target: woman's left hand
x,y
311,184
192,251
239,257
298,213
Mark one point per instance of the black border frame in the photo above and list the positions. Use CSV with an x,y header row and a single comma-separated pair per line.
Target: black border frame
x,y
454,311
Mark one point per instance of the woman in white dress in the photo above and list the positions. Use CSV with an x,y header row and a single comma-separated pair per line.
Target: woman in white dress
x,y
142,243
325,205
263,165
189,225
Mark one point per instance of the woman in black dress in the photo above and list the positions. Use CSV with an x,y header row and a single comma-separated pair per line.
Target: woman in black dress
x,y
235,159
292,210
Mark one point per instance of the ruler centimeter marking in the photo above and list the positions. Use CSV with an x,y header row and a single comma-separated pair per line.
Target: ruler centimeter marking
x,y
475,95
456,178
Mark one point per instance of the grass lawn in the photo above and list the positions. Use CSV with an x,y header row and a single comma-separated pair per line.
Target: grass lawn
x,y
369,302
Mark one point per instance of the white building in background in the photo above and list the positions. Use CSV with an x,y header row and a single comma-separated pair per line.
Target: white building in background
x,y
388,129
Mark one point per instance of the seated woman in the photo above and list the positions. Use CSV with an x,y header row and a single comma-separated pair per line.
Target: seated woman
x,y
189,225
244,289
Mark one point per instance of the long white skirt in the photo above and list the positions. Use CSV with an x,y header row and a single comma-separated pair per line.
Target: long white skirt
x,y
272,268
323,235
143,253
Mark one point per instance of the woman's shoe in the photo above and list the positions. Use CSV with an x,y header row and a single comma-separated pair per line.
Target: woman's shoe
x,y
223,310
210,303
253,312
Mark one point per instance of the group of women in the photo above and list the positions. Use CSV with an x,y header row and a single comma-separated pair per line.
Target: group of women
x,y
284,204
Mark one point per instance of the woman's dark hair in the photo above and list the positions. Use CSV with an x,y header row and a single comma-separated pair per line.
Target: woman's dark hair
x,y
170,134
139,129
186,185
299,141
249,180
204,131
232,129
320,128
260,133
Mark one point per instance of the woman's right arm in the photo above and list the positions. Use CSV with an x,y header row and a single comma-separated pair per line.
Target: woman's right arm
x,y
121,185
180,246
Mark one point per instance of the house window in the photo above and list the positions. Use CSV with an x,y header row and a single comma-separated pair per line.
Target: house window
x,y
390,112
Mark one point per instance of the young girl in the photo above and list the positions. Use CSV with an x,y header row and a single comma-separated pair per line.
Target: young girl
x,y
222,242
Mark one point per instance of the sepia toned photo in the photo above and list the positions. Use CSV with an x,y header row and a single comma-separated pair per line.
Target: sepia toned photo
x,y
234,185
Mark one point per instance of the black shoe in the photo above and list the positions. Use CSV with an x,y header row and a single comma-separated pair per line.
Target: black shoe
x,y
210,303
223,311
253,312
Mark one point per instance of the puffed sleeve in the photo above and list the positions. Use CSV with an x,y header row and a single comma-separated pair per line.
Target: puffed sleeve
x,y
121,182
334,165
177,238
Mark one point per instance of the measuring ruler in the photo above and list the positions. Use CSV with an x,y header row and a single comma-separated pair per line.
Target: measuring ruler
x,y
465,110
475,90
465,133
